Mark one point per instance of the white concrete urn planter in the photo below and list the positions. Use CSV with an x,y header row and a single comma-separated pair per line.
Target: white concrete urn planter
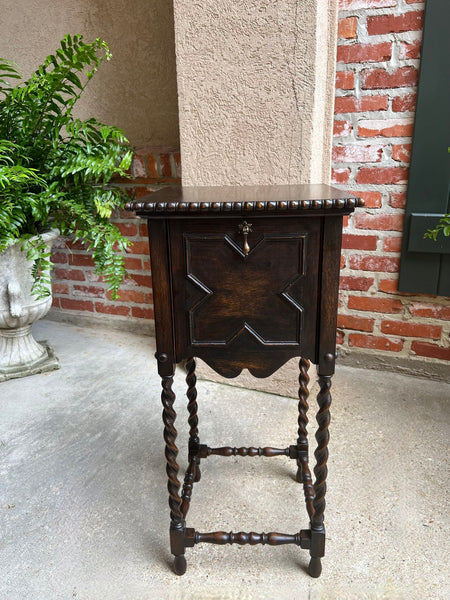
x,y
20,353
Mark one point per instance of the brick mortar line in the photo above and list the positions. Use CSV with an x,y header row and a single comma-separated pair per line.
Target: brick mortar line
x,y
388,65
387,162
358,140
129,287
404,317
406,340
398,318
94,299
388,188
92,283
396,37
375,92
397,10
365,142
405,298
103,301
76,252
368,252
358,67
386,114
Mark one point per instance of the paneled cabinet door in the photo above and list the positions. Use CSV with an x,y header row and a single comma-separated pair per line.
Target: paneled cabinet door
x,y
244,289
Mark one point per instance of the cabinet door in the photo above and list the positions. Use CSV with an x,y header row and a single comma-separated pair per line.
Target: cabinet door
x,y
238,306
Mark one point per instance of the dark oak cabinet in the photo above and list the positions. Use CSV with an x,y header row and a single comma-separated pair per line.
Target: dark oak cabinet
x,y
246,278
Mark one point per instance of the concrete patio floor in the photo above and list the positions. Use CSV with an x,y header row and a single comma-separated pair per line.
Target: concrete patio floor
x,y
83,502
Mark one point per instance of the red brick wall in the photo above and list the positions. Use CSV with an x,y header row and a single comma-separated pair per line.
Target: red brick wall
x,y
378,58
376,82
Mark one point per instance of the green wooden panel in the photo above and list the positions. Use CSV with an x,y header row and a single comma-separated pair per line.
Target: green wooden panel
x,y
428,186
420,223
444,278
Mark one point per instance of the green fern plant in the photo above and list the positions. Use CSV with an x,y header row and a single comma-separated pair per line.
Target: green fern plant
x,y
55,169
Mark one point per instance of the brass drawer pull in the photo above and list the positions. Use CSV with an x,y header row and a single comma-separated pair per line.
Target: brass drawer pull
x,y
245,228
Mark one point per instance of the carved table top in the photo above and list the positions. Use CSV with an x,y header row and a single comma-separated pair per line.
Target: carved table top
x,y
277,199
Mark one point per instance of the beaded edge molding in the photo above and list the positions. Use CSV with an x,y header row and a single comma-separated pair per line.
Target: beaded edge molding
x,y
232,207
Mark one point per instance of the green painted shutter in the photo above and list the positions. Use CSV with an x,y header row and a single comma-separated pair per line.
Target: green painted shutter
x,y
425,265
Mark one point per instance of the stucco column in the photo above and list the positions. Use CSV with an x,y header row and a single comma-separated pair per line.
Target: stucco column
x,y
256,90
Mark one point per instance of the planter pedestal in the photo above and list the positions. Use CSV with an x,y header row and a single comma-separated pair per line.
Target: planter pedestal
x,y
22,355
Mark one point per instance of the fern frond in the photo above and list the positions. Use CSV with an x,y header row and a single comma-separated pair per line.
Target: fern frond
x,y
55,170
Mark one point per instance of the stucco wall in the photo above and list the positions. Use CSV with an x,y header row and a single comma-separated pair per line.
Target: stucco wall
x,y
137,89
256,88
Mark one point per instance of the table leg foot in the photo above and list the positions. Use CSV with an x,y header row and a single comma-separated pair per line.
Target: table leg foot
x,y
315,567
179,564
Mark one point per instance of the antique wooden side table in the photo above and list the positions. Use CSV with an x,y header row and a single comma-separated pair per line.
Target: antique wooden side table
x,y
246,277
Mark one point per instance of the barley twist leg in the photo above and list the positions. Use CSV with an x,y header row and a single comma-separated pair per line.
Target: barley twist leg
x,y
173,484
320,471
194,440
303,471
